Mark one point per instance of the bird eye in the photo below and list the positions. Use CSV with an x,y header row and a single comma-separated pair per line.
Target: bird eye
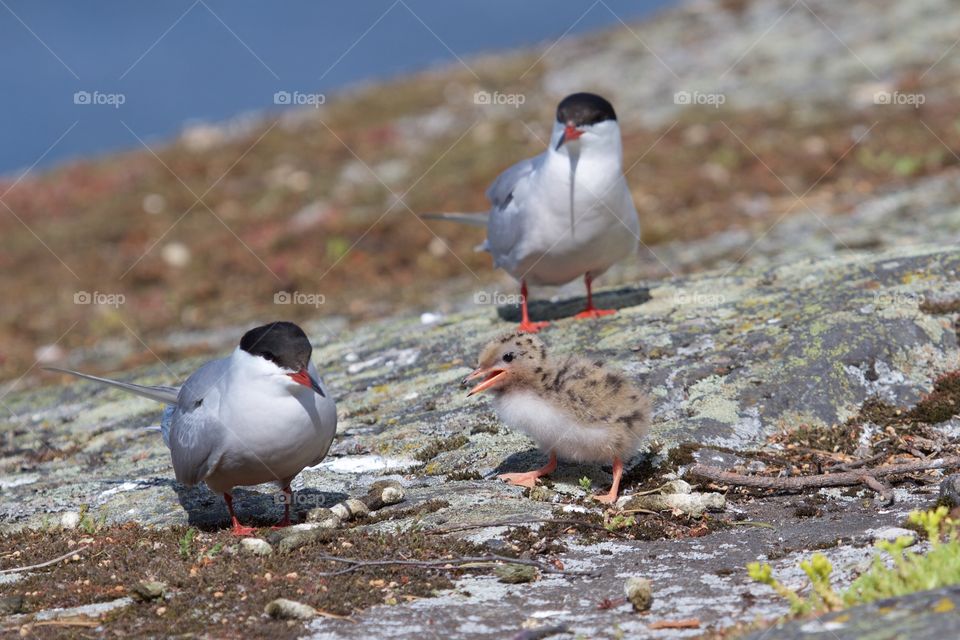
x,y
508,357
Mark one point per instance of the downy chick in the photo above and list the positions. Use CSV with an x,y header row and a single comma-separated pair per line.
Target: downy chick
x,y
573,408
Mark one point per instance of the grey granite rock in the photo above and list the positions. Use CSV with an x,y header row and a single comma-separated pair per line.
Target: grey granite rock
x,y
928,615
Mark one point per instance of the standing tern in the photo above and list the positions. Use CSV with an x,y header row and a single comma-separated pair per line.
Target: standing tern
x,y
565,213
261,414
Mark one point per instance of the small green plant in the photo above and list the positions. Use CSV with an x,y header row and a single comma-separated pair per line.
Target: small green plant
x,y
214,551
585,483
910,571
186,543
619,521
89,523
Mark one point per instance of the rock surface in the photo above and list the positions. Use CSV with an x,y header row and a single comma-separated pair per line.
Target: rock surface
x,y
928,615
730,358
795,324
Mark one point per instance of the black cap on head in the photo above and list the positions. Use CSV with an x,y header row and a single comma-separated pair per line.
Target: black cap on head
x,y
584,108
282,343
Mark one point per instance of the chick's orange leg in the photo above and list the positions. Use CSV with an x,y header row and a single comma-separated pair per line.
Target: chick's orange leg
x,y
525,325
611,497
238,529
591,311
529,478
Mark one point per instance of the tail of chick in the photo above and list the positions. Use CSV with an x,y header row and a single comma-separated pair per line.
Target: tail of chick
x,y
160,393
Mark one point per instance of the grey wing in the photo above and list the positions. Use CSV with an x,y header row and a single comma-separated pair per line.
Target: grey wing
x,y
505,225
194,432
501,191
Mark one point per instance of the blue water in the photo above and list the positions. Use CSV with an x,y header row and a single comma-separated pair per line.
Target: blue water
x,y
178,61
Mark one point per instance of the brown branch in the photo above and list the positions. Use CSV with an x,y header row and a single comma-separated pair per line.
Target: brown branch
x,y
685,623
41,565
798,483
856,464
447,564
885,492
520,523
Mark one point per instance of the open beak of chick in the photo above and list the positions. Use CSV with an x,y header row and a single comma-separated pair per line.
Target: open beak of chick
x,y
488,376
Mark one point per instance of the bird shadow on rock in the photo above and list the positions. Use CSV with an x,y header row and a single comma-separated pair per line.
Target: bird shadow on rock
x,y
521,461
567,472
208,512
546,310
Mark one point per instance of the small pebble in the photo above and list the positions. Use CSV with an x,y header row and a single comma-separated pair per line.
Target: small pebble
x,y
639,592
70,520
349,509
890,534
950,490
515,573
323,518
676,486
148,590
10,605
542,494
755,466
283,609
299,539
383,493
256,546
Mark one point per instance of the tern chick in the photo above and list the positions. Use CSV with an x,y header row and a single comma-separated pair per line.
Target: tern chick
x,y
573,408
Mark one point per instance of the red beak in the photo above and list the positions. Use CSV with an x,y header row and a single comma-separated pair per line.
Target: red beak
x,y
303,377
490,377
570,133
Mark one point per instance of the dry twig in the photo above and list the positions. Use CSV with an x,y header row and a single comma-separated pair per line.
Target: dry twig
x,y
868,477
685,623
41,565
446,564
520,523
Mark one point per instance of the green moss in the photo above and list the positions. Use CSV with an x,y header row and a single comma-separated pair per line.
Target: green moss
x,y
940,307
437,447
942,403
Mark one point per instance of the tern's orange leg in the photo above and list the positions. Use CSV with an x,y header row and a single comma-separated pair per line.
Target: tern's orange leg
x,y
525,325
286,508
529,478
238,529
611,497
591,311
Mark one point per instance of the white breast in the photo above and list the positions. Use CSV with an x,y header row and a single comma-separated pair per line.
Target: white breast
x,y
271,433
604,230
552,428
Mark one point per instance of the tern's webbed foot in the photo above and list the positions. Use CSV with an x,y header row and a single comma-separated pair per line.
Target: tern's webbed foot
x,y
242,531
594,313
532,327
